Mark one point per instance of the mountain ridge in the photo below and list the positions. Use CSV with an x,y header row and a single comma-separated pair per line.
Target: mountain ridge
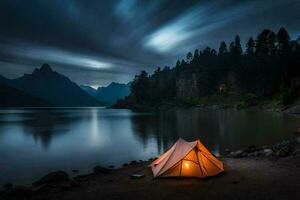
x,y
52,87
109,94
12,97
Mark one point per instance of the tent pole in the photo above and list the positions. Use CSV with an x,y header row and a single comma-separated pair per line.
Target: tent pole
x,y
180,167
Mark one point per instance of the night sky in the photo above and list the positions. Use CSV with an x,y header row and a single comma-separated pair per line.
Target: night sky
x,y
95,42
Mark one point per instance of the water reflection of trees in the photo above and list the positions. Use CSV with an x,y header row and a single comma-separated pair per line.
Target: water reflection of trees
x,y
166,127
217,129
44,124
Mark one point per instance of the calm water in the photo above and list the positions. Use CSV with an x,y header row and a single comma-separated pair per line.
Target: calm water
x,y
36,141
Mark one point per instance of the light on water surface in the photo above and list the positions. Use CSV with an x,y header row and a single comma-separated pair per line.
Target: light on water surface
x,y
34,142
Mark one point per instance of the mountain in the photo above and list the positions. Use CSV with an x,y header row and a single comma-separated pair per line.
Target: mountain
x,y
4,80
89,90
12,97
109,94
113,92
52,87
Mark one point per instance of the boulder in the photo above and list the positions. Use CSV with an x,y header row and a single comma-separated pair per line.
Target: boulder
x,y
296,153
236,154
257,153
53,178
284,148
133,162
101,170
251,154
282,153
250,149
298,140
268,152
227,150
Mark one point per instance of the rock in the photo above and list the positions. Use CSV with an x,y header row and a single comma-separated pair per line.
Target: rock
x,y
125,164
250,154
250,149
227,150
133,162
140,160
296,153
101,170
298,139
284,148
236,154
282,153
244,154
256,153
136,176
53,178
268,152
111,166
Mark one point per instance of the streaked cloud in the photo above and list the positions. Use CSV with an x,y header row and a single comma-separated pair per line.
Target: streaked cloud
x,y
54,55
196,22
96,42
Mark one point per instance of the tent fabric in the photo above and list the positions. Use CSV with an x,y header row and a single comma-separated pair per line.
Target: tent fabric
x,y
187,159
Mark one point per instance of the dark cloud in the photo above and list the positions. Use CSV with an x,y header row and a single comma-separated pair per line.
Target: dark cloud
x,y
96,42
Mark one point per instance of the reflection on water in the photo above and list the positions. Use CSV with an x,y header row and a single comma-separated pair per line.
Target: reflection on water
x,y
36,141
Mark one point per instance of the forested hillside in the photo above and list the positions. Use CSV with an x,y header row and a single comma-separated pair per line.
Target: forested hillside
x,y
269,67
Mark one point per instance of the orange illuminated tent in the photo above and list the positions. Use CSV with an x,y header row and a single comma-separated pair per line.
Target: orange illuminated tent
x,y
187,159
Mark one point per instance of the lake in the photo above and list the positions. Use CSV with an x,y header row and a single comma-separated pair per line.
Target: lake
x,y
34,142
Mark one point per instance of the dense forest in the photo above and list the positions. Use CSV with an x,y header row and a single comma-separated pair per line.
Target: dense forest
x,y
268,67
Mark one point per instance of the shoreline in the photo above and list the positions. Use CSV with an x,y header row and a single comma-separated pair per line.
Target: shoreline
x,y
58,185
293,108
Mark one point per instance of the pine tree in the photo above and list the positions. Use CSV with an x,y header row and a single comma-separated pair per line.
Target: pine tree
x,y
189,57
223,49
250,46
283,40
232,48
196,56
177,64
237,46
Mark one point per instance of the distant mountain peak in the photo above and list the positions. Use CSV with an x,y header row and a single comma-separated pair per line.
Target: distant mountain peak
x,y
43,70
46,68
115,84
54,88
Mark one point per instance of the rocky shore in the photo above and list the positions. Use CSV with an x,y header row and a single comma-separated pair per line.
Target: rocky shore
x,y
249,174
266,106
282,149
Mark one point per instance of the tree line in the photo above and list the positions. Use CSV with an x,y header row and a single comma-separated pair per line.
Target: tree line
x,y
268,66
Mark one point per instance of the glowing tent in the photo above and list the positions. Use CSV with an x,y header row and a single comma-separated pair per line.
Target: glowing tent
x,y
187,159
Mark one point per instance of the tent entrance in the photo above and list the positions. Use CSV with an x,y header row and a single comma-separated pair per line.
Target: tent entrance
x,y
189,166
